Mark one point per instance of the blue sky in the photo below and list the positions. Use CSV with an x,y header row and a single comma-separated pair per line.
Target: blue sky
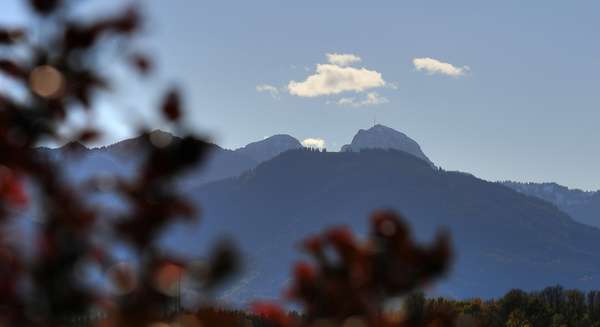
x,y
527,107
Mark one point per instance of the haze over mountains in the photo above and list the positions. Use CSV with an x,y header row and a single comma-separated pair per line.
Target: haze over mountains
x,y
583,206
271,194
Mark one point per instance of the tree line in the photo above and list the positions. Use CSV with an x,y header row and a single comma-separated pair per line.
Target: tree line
x,y
551,307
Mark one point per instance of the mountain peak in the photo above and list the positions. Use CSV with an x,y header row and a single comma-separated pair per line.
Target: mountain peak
x,y
382,127
270,147
383,137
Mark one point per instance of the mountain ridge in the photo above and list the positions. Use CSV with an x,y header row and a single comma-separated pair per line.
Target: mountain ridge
x,y
383,137
271,205
269,147
583,206
504,239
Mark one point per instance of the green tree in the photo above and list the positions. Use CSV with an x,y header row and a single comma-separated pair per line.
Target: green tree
x,y
513,300
575,307
518,319
414,307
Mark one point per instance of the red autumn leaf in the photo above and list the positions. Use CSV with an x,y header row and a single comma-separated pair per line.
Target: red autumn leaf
x,y
171,107
142,63
44,7
12,69
88,135
341,236
10,36
12,189
272,312
77,36
304,272
127,23
313,244
223,263
98,254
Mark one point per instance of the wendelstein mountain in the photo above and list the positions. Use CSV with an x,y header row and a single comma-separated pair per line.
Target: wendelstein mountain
x,y
271,195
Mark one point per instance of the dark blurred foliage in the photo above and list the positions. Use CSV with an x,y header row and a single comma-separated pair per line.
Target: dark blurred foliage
x,y
348,279
57,72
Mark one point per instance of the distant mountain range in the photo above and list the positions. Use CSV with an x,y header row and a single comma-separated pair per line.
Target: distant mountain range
x,y
583,206
272,193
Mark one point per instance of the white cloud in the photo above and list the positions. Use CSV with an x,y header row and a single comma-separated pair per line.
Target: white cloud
x,y
392,85
268,88
341,59
434,66
314,143
346,101
332,79
372,98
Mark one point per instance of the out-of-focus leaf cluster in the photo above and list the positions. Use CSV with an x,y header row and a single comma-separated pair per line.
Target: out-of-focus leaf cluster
x,y
59,73
351,281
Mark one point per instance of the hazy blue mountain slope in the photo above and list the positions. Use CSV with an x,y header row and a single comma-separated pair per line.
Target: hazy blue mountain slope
x,y
221,164
503,239
583,206
122,159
